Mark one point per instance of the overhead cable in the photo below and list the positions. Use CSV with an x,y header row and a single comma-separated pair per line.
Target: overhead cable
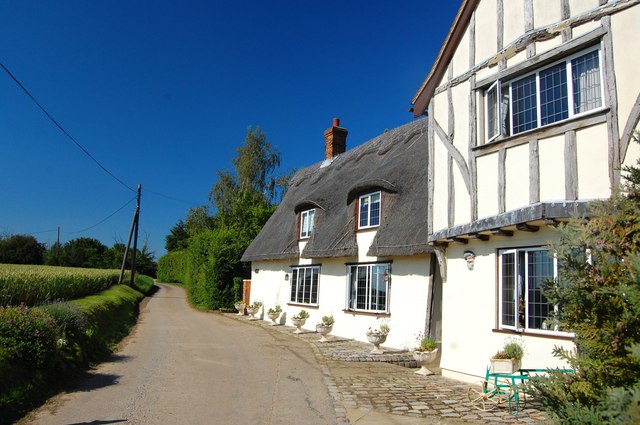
x,y
103,220
86,152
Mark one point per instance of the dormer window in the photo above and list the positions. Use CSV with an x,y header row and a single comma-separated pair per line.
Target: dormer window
x,y
306,223
369,210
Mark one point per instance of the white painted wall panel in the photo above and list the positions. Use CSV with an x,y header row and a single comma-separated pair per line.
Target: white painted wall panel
x,y
517,177
486,30
551,152
593,170
545,12
487,171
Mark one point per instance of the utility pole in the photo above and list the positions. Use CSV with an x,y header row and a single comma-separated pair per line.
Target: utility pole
x,y
135,237
134,227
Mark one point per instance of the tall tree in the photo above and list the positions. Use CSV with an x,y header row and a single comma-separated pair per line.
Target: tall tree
x,y
177,238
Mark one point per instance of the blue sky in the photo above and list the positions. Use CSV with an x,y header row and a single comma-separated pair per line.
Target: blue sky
x,y
162,92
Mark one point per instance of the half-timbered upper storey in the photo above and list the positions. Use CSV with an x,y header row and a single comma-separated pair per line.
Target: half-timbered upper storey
x,y
532,106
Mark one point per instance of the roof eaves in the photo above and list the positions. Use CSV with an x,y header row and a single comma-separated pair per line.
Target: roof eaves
x,y
426,90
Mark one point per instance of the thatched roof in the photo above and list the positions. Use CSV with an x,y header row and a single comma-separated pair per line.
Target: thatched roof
x,y
394,163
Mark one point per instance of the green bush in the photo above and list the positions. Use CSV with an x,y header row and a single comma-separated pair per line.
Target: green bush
x,y
213,262
27,335
143,284
69,336
172,267
72,326
110,314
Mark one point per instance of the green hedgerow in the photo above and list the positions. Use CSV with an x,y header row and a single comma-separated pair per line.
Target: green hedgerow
x,y
27,335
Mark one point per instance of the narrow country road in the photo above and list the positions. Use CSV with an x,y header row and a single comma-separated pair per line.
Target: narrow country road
x,y
181,366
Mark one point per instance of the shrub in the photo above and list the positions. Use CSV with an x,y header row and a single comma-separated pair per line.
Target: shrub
x,y
27,335
72,326
143,284
172,267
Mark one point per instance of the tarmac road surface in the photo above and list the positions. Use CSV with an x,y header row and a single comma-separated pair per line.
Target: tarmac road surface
x,y
182,366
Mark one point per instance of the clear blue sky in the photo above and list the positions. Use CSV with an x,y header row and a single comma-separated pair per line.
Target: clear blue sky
x,y
162,92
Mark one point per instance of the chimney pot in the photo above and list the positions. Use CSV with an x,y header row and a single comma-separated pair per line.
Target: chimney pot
x,y
335,140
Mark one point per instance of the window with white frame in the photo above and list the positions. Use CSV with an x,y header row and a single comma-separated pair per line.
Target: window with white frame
x,y
369,210
306,223
369,287
304,284
522,272
550,94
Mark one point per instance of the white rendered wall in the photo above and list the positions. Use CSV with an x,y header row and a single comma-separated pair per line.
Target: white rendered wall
x,y
408,295
469,314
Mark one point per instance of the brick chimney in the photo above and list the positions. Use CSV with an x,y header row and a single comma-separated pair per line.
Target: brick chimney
x,y
335,140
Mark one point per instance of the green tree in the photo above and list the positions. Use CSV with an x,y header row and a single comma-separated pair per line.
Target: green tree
x,y
21,249
598,294
84,252
177,238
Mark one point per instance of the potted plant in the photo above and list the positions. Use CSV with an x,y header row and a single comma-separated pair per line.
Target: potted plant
x,y
378,336
509,359
325,327
240,305
425,353
274,313
253,309
298,320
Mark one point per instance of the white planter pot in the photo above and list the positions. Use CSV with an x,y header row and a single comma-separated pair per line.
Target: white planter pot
x,y
252,312
425,358
506,366
273,317
298,323
376,339
240,307
324,331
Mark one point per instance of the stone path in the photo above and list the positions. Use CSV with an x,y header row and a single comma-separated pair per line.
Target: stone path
x,y
380,384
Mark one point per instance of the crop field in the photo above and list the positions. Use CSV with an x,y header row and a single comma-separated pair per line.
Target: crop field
x,y
33,285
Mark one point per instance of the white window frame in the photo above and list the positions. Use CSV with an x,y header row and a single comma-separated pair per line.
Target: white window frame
x,y
300,293
353,291
368,197
506,84
519,287
307,219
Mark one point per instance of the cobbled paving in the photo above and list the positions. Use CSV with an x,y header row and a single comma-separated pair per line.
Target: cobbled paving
x,y
387,383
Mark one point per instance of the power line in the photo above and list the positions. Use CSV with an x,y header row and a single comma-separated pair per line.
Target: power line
x,y
103,220
170,197
86,152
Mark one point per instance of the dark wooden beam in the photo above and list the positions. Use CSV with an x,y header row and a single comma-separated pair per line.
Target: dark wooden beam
x,y
479,236
551,222
501,232
461,240
527,227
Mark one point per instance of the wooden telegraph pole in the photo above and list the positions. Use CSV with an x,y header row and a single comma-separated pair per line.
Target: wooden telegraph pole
x,y
134,227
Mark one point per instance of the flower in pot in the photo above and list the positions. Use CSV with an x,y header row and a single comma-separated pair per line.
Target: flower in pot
x,y
240,305
425,353
509,359
274,313
298,320
378,336
253,309
325,327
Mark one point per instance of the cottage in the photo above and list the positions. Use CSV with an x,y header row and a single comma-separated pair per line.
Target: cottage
x,y
531,106
350,239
